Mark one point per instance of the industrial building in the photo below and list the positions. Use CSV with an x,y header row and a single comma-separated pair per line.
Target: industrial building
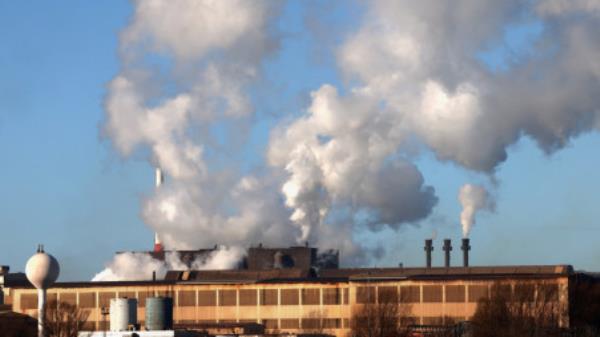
x,y
284,290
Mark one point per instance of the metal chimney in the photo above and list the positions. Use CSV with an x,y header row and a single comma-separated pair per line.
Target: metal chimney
x,y
447,250
428,249
465,248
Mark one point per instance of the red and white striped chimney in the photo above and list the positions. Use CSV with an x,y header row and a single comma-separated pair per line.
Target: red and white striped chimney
x,y
159,178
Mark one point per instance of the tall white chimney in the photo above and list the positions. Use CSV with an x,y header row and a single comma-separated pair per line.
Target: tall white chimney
x,y
158,178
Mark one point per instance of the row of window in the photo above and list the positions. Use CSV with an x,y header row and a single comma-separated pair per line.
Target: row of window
x,y
86,299
451,293
309,296
210,298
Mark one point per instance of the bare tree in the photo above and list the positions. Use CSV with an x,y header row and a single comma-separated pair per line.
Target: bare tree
x,y
584,305
527,310
64,320
380,317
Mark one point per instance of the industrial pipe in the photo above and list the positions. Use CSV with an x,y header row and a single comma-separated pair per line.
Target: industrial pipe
x,y
428,249
447,249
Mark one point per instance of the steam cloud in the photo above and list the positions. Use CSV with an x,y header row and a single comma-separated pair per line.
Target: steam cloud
x,y
413,74
140,266
473,199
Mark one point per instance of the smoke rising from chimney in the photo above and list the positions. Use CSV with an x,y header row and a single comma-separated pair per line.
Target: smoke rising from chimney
x,y
473,199
412,74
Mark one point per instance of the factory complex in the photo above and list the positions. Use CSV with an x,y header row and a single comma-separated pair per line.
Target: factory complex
x,y
296,290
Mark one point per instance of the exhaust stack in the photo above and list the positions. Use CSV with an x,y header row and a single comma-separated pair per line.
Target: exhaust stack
x,y
428,249
159,179
447,250
465,248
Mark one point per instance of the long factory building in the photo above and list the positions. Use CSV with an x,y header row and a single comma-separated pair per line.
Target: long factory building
x,y
283,290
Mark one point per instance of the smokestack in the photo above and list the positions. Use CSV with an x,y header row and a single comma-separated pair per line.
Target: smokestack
x,y
447,250
428,250
158,178
465,248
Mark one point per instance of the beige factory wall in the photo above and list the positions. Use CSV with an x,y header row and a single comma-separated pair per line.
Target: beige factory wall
x,y
281,307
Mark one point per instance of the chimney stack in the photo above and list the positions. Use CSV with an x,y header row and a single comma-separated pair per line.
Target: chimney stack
x,y
428,250
447,250
465,248
158,178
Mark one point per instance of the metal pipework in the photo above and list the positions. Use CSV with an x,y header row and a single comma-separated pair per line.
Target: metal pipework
x,y
428,249
465,248
447,250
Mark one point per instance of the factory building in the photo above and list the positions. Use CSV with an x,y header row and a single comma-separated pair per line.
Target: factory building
x,y
284,291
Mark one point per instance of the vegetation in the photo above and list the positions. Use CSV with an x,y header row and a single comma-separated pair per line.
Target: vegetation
x,y
382,318
520,310
64,320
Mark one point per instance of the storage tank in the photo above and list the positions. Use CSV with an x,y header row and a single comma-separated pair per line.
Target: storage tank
x,y
159,313
123,313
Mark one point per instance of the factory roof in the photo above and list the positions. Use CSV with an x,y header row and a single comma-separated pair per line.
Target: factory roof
x,y
292,275
358,274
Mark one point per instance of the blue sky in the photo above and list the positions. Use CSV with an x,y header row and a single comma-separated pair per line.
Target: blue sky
x,y
65,186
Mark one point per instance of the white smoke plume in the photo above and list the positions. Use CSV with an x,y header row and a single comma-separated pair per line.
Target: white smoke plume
x,y
186,69
413,74
137,266
473,198
416,75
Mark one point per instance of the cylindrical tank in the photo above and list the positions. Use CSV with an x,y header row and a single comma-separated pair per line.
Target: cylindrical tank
x,y
159,313
123,313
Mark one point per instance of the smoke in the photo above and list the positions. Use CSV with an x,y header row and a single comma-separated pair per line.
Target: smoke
x,y
187,67
473,198
137,266
414,72
415,75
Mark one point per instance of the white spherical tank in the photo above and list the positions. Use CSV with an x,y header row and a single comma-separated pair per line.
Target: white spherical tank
x,y
123,313
42,269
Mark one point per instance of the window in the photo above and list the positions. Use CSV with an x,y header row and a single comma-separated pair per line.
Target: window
x,y
332,323
524,292
455,294
268,297
311,296
105,297
70,298
29,301
410,294
365,295
548,292
86,300
289,297
387,295
248,297
290,324
207,298
331,296
311,323
227,298
345,296
432,294
270,323
186,299
142,295
477,292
